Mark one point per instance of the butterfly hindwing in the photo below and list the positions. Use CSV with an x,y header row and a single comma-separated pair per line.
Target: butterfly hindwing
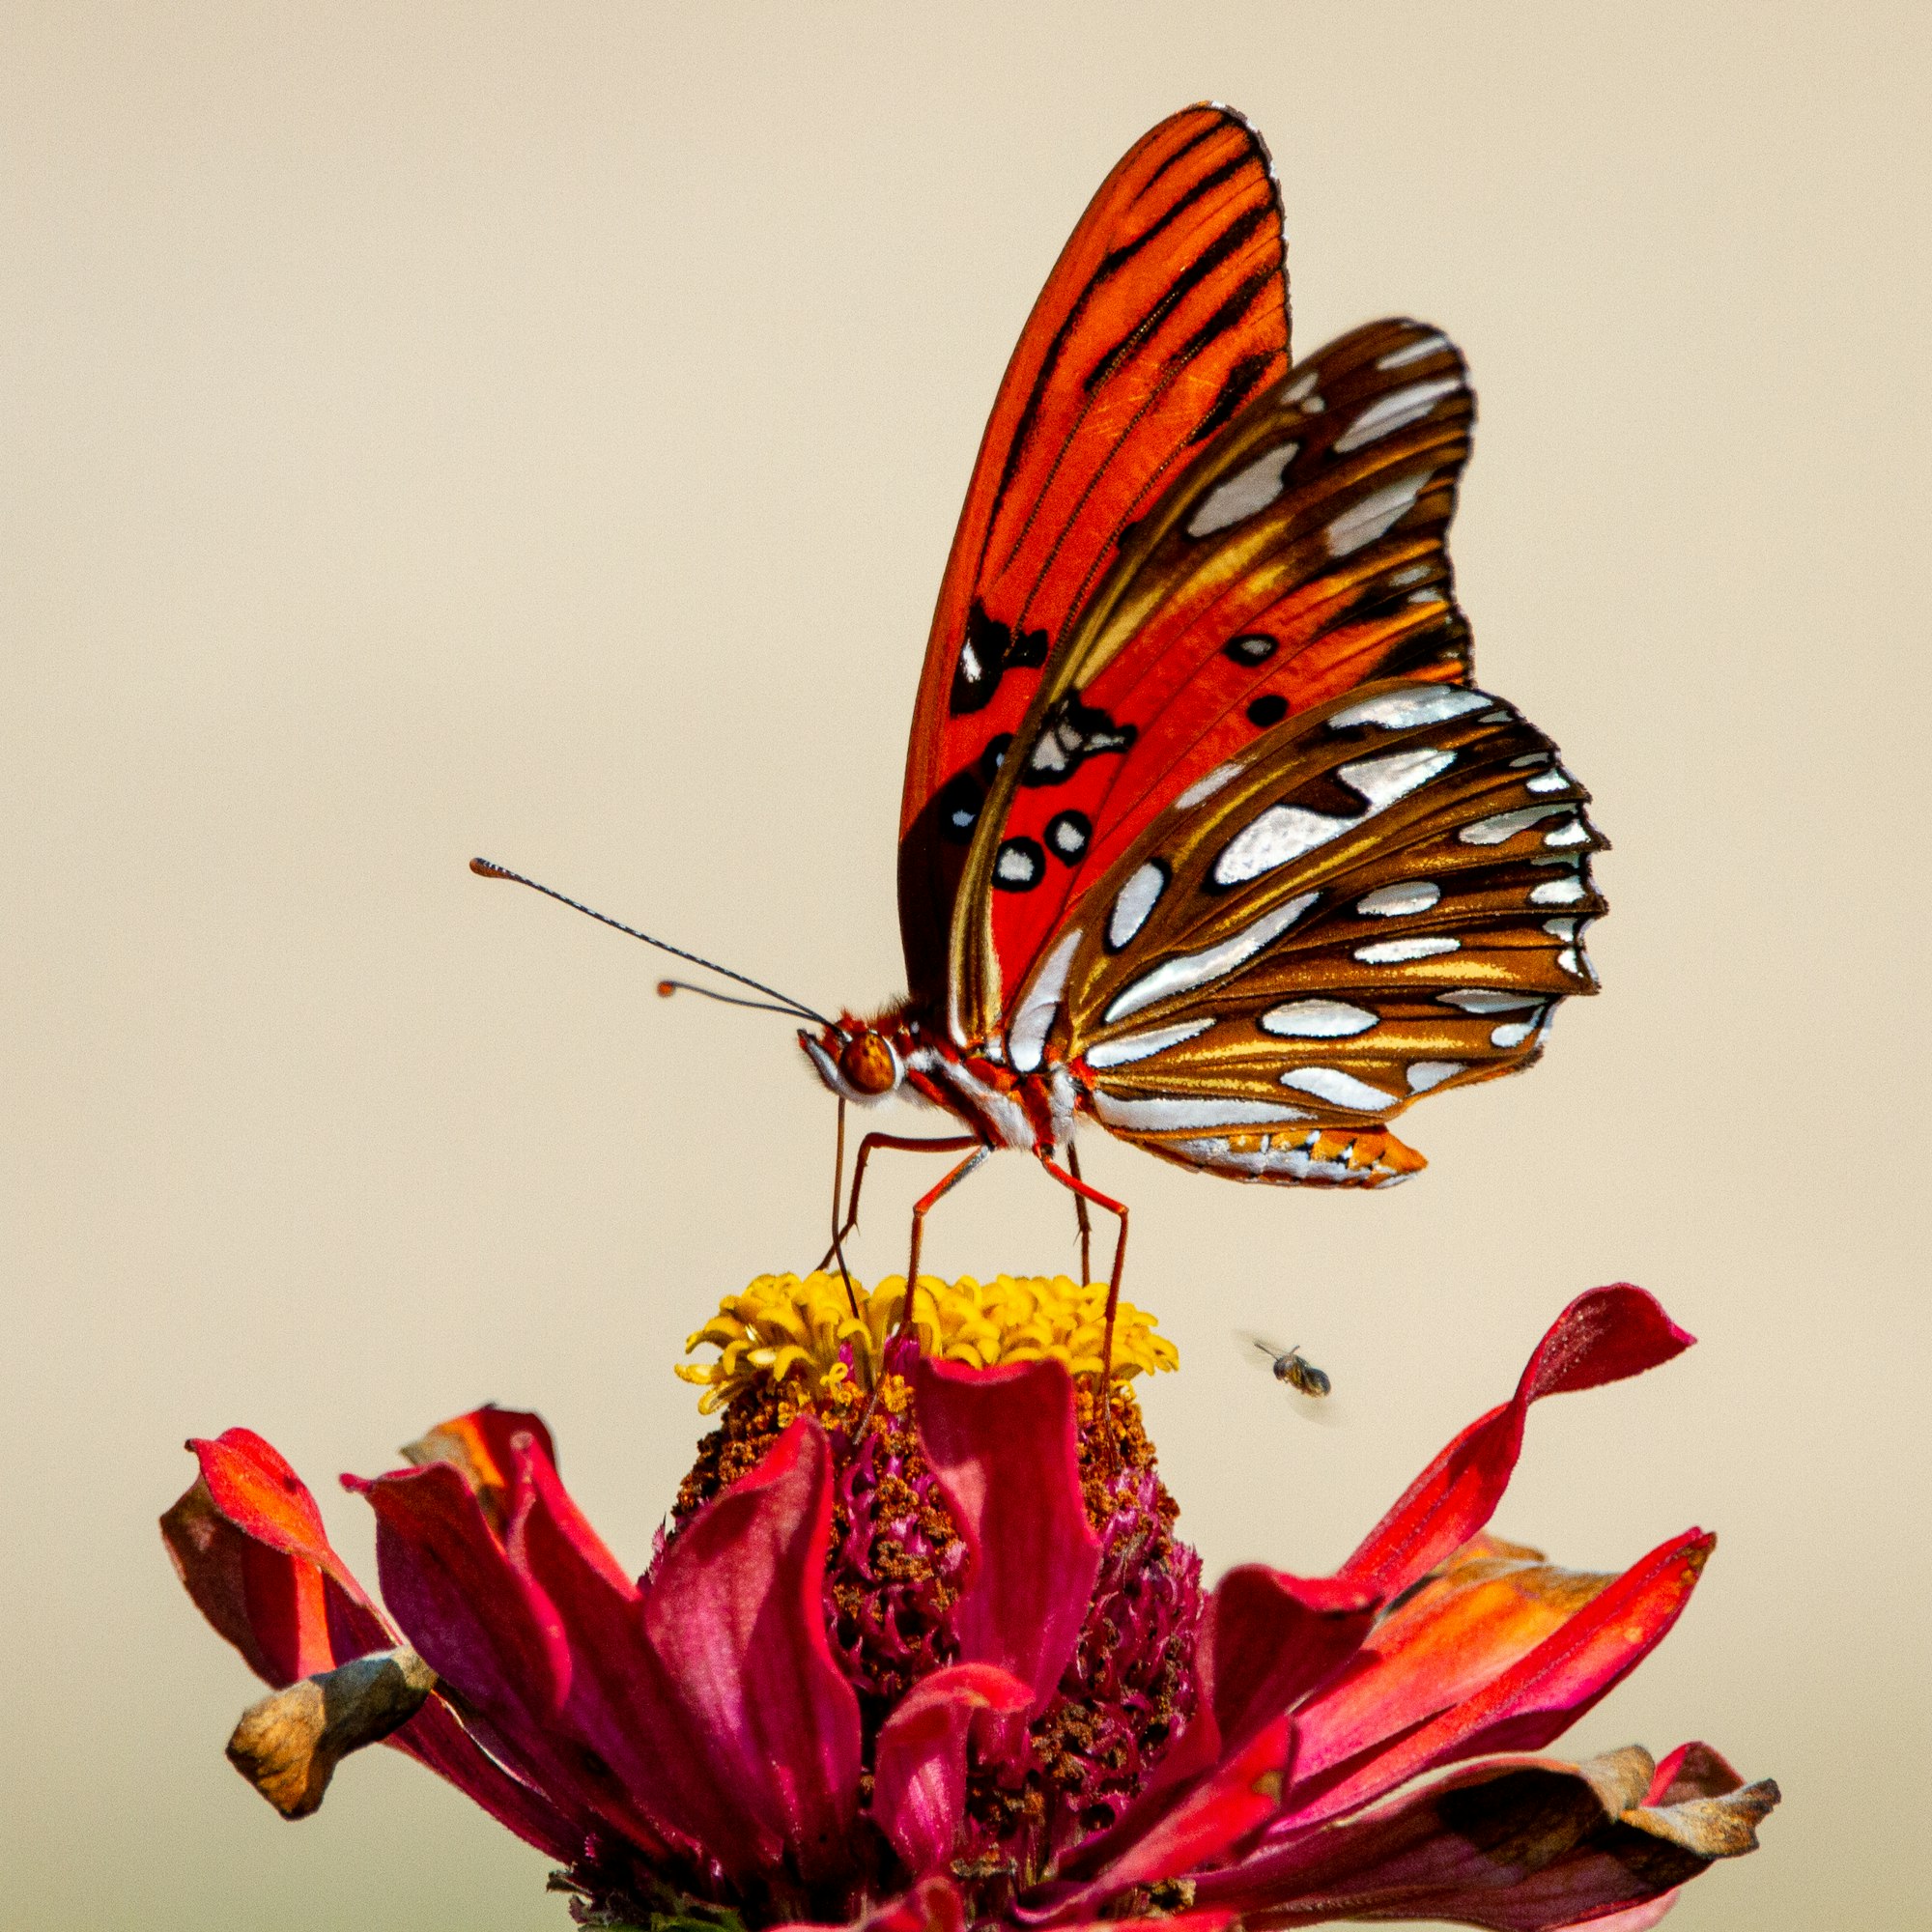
x,y
1303,554
1165,314
1382,896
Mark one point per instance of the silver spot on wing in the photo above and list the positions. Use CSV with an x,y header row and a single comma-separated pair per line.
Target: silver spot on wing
x,y
1133,1047
1183,972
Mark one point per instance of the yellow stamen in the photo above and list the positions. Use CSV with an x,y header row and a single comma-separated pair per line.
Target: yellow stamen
x,y
784,1330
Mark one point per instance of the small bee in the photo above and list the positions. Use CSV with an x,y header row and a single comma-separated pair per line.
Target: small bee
x,y
1290,1366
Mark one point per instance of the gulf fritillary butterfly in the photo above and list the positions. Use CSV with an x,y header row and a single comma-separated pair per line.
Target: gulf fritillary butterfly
x,y
1205,831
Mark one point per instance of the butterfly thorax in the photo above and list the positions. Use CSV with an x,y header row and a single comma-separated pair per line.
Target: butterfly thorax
x,y
906,1048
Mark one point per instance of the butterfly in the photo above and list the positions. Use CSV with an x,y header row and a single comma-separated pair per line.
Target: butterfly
x,y
1208,833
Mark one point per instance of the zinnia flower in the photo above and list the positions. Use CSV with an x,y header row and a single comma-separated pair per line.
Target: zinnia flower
x,y
918,1649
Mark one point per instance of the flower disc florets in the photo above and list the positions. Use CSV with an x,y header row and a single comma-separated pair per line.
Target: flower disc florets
x,y
791,1347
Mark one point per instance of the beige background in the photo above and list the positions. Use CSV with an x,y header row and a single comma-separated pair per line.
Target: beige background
x,y
433,428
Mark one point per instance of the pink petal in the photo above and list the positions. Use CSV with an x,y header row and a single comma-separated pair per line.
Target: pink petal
x,y
736,1612
918,1792
492,1634
1543,1692
1488,1606
619,1699
1603,1336
1001,1444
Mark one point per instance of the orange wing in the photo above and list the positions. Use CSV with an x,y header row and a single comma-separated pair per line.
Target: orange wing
x,y
1165,314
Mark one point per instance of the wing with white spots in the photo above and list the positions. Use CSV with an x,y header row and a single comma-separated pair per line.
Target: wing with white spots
x,y
1300,555
1382,897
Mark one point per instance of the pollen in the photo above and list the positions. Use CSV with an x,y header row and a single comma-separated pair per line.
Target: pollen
x,y
803,1337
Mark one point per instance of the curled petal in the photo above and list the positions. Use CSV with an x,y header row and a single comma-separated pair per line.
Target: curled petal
x,y
919,1793
289,1744
1001,1443
1603,1336
618,1699
1523,1846
1273,1638
735,1613
249,1544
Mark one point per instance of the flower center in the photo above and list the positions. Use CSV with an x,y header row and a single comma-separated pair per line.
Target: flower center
x,y
791,1347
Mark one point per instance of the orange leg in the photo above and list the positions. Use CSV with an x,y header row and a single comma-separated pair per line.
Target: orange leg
x,y
1082,1192
1081,1215
920,1209
904,1143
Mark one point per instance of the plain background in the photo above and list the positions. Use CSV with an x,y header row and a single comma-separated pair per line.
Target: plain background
x,y
432,429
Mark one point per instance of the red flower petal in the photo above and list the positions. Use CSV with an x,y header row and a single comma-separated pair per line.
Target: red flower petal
x,y
736,1612
918,1792
1543,1692
1272,1638
1491,1604
248,1542
1001,1444
481,1444
1602,1337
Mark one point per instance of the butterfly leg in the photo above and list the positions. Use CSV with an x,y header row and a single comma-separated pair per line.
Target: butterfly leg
x,y
1083,1192
838,1188
906,1143
920,1207
1081,1215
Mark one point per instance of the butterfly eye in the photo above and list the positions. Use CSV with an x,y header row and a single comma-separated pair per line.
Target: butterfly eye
x,y
869,1064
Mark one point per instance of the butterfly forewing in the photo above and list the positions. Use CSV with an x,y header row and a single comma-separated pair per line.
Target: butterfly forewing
x,y
1382,896
1301,555
1165,314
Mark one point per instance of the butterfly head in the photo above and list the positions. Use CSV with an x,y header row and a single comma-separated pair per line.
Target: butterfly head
x,y
858,1059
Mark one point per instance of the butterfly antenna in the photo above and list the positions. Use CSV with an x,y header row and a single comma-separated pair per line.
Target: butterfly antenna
x,y
485,868
667,987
